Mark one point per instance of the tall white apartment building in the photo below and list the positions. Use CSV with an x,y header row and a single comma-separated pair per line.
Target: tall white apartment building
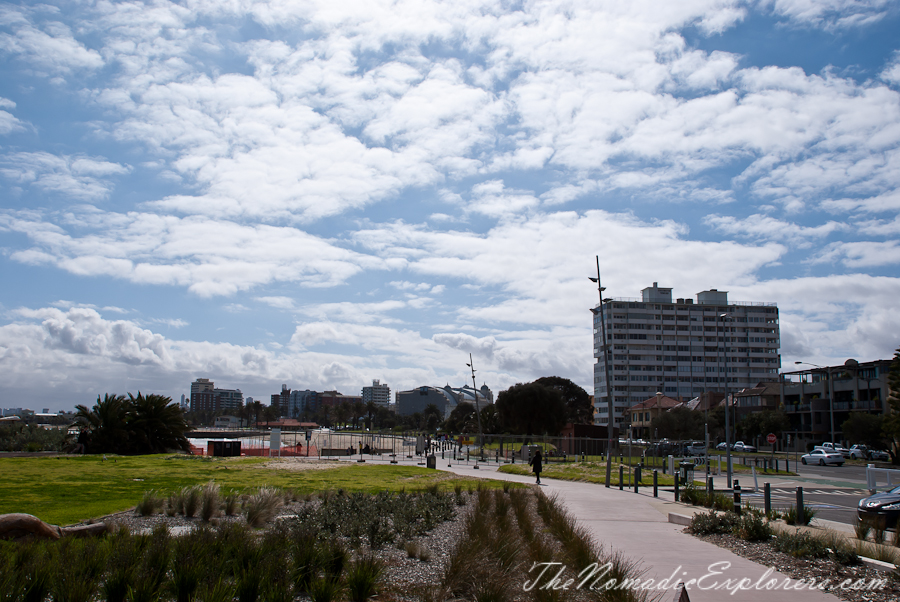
x,y
379,393
681,348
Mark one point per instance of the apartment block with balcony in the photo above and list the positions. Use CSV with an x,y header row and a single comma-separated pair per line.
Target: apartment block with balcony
x,y
855,387
681,348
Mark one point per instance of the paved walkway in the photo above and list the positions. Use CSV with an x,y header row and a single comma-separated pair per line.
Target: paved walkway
x,y
636,524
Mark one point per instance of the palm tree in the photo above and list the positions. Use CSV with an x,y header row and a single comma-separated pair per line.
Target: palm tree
x,y
156,424
359,408
371,410
104,428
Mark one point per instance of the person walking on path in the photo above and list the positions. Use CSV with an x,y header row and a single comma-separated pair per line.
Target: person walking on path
x,y
536,465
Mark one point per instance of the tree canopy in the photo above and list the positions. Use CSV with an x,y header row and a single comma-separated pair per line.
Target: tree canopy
x,y
892,420
149,424
678,423
578,403
532,409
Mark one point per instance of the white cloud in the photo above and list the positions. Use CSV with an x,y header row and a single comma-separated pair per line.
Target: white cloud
x,y
72,176
769,228
861,254
209,257
832,14
51,47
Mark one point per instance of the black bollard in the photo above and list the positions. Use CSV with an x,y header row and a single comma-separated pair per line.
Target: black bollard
x,y
676,486
768,498
801,513
621,477
655,483
737,497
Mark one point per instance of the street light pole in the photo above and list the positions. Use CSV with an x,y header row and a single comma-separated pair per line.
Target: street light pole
x,y
471,365
727,412
609,385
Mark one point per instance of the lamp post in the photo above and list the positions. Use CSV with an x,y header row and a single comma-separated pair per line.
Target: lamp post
x,y
471,365
727,412
830,386
606,359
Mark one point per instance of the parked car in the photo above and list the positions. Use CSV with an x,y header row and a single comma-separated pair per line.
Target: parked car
x,y
879,455
721,446
822,457
695,448
743,447
836,447
884,506
859,452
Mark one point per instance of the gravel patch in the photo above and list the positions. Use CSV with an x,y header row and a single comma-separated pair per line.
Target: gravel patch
x,y
822,570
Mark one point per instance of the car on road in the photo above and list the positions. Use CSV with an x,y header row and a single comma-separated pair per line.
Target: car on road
x,y
721,446
822,457
740,446
879,455
881,509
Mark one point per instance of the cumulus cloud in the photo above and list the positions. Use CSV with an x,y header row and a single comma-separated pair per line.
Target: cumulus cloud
x,y
770,228
50,47
73,176
209,257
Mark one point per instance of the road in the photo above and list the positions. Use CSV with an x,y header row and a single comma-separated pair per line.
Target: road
x,y
834,491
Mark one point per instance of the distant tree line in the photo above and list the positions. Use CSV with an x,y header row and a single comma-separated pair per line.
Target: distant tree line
x,y
132,425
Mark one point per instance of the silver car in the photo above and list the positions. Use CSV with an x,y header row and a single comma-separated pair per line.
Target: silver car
x,y
823,457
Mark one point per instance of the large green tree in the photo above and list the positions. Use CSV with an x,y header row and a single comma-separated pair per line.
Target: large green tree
x,y
104,428
760,424
578,402
867,429
678,423
532,409
461,419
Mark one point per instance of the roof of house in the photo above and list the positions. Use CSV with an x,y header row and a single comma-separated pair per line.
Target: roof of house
x,y
663,402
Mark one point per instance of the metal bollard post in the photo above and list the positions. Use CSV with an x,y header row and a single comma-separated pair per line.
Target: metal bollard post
x,y
776,464
737,497
709,486
655,483
621,477
676,486
637,478
768,498
801,513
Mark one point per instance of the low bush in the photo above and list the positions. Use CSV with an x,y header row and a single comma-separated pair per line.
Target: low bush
x,y
364,578
800,544
262,506
150,504
753,526
708,523
791,516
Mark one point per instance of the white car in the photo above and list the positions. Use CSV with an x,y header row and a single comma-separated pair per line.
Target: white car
x,y
836,447
823,457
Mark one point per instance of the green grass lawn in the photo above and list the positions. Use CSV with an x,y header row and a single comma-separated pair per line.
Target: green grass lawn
x,y
588,472
68,489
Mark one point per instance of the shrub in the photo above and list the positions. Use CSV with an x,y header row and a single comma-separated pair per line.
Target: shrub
x,y
694,496
364,577
231,503
791,518
752,526
862,529
190,500
708,523
800,544
209,501
326,590
150,503
262,506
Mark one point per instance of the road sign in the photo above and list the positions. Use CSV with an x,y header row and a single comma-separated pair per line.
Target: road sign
x,y
771,438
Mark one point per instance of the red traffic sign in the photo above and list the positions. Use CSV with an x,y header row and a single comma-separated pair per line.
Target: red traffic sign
x,y
771,438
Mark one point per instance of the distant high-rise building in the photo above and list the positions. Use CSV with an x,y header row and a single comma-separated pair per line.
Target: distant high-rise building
x,y
301,401
377,393
681,349
205,397
282,401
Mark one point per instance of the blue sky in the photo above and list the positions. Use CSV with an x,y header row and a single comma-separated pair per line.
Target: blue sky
x,y
323,194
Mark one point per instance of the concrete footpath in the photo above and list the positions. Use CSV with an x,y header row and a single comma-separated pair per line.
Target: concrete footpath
x,y
637,525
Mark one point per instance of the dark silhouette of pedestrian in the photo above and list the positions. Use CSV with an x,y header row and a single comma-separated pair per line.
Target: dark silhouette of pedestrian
x,y
536,463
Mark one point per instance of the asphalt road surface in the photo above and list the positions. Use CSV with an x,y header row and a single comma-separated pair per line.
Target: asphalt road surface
x,y
834,491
